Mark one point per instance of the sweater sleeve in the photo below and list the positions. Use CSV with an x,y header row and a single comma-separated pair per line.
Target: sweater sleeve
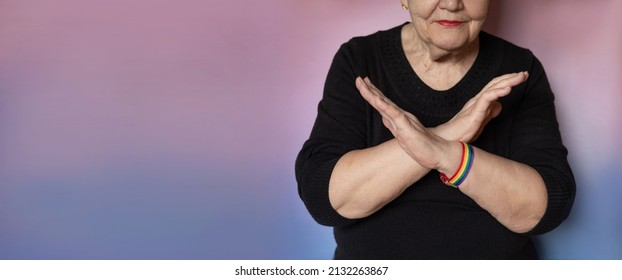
x,y
536,141
340,127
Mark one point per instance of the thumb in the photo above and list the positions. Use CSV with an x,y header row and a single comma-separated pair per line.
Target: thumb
x,y
496,109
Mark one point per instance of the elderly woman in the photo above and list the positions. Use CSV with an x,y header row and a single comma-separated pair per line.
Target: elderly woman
x,y
436,140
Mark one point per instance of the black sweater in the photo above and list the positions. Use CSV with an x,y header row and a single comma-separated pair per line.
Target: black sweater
x,y
430,220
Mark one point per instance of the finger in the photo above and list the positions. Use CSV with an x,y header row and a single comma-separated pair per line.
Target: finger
x,y
513,78
364,89
497,80
376,90
369,92
374,97
507,80
484,102
381,102
389,125
396,116
493,95
510,81
373,88
496,110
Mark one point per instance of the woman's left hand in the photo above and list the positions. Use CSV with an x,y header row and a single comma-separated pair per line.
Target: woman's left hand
x,y
415,139
468,124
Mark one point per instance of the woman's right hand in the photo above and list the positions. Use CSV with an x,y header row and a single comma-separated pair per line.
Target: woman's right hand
x,y
468,124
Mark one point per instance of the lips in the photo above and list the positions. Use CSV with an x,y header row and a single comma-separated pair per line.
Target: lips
x,y
449,23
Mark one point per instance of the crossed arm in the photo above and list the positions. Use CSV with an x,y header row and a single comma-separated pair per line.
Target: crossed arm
x,y
512,192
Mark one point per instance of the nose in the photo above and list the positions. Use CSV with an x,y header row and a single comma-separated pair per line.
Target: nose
x,y
451,5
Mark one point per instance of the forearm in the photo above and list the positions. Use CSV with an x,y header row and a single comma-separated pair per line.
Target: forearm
x,y
363,181
512,192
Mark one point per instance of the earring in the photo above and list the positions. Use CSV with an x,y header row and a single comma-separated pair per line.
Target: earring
x,y
404,7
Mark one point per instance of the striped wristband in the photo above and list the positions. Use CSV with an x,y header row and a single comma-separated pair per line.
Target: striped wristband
x,y
463,169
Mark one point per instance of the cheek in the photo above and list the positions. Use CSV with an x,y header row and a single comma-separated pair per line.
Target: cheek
x,y
477,9
422,8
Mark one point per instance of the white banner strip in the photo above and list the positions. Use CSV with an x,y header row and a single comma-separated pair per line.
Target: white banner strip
x,y
312,270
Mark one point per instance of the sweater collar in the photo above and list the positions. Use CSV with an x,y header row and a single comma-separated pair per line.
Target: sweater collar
x,y
432,105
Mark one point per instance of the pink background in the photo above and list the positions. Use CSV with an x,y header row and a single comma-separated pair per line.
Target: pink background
x,y
153,129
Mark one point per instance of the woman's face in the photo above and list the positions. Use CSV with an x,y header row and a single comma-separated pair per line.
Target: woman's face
x,y
449,25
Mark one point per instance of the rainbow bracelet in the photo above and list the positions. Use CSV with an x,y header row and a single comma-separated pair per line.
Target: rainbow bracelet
x,y
463,169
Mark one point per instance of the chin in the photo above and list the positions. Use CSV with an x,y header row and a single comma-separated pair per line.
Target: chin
x,y
451,43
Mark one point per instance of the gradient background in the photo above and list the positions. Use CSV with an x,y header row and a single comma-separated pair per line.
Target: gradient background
x,y
155,129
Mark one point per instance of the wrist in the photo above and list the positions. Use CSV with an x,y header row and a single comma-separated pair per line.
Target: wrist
x,y
443,131
450,158
454,170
